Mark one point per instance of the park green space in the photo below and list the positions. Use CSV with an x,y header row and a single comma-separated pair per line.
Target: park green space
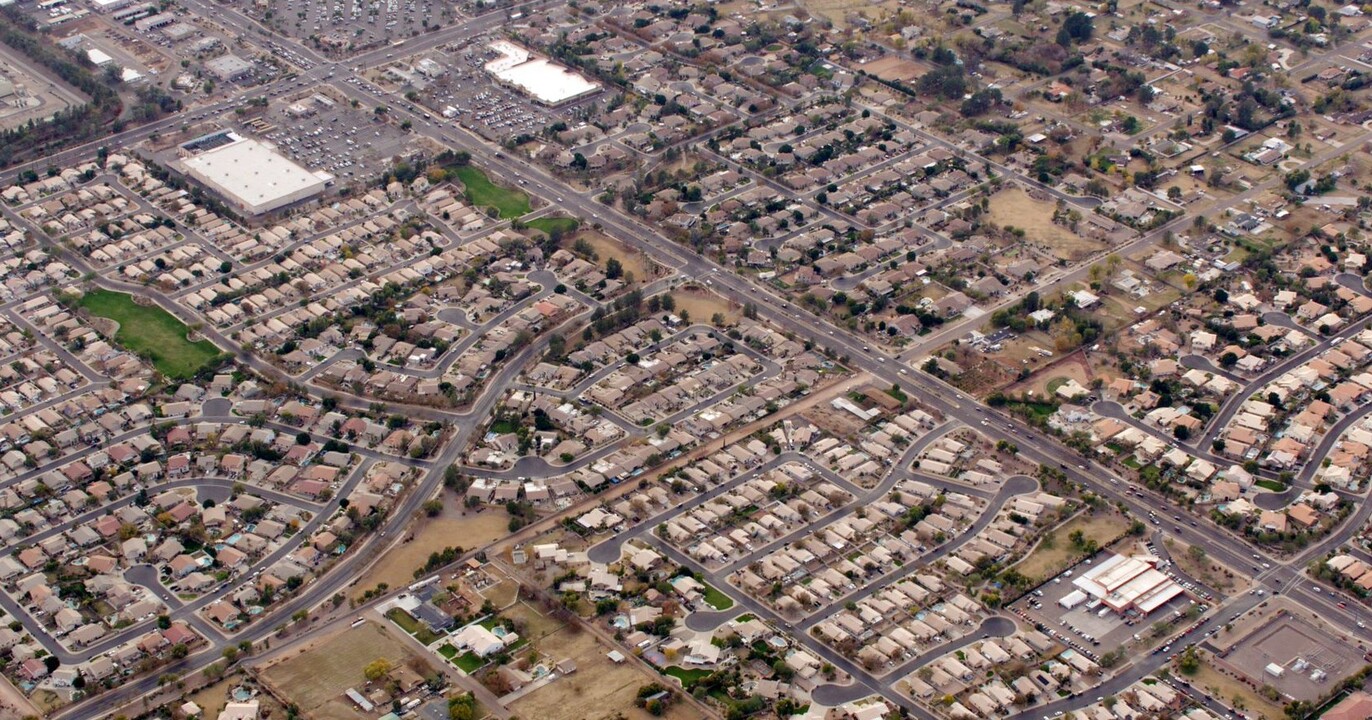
x,y
482,192
152,332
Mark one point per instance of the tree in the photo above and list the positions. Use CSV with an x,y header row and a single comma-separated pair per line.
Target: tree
x,y
613,268
1190,662
462,707
1076,28
376,669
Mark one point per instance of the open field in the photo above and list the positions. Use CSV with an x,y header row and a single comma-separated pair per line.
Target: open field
x,y
1204,569
150,331
1015,208
1045,562
1226,688
536,625
316,679
599,689
451,527
703,305
484,193
836,11
1046,381
893,67
605,248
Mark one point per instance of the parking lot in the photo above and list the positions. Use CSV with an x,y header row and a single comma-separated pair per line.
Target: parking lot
x,y
468,94
324,132
1095,629
344,27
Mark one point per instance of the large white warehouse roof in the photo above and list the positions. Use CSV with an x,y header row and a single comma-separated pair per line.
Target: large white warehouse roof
x,y
254,176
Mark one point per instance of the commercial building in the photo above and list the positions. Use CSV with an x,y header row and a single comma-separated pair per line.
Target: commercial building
x,y
1126,584
250,175
229,68
540,78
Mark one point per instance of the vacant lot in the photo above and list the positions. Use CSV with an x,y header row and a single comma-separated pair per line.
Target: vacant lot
x,y
703,305
598,690
482,192
1202,568
1045,382
152,332
892,67
631,260
1048,559
836,11
536,625
451,528
1015,208
317,679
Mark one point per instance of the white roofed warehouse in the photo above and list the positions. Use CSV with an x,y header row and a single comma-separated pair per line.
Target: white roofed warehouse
x,y
250,175
1124,583
544,80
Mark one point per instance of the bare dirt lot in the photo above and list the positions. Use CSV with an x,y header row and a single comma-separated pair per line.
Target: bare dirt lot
x,y
1051,557
643,268
1015,208
1047,380
453,527
1202,568
13,704
703,305
836,11
1230,689
598,690
892,67
317,678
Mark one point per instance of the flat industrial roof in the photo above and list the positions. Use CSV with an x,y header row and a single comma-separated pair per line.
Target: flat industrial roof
x,y
253,173
547,81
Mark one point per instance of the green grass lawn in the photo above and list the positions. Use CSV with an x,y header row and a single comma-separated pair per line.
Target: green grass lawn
x,y
468,662
688,678
554,224
152,332
717,599
484,193
409,624
447,651
1273,485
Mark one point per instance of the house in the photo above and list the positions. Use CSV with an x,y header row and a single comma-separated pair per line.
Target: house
x,y
480,641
